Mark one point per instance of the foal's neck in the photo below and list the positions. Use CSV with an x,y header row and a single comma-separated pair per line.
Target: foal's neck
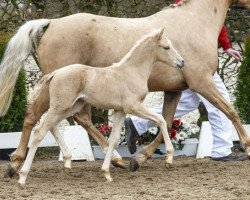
x,y
140,60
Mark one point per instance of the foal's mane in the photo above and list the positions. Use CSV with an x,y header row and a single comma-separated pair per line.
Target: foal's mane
x,y
176,5
137,44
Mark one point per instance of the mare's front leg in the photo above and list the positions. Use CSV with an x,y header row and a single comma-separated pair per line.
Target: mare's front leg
x,y
141,111
171,100
118,121
32,115
83,118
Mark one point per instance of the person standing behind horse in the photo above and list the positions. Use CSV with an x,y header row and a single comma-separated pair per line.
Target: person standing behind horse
x,y
221,126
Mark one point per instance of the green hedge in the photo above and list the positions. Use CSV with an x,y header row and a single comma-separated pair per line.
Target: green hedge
x,y
13,120
242,94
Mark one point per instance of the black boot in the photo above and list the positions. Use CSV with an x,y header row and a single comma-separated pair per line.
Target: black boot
x,y
131,135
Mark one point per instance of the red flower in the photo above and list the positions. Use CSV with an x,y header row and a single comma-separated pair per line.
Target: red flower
x,y
102,131
172,133
177,122
106,127
98,125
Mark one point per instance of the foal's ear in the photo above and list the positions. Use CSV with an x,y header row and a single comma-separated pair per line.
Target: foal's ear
x,y
159,34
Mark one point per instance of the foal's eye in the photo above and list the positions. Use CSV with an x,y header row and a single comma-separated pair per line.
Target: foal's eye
x,y
166,48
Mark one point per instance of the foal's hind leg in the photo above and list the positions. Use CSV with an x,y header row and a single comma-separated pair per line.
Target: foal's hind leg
x,y
32,115
83,118
119,117
49,122
171,100
63,147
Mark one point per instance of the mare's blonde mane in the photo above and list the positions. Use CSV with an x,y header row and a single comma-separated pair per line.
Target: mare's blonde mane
x,y
176,5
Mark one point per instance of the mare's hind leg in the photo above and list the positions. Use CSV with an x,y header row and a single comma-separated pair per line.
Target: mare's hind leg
x,y
212,94
32,115
63,147
171,100
83,118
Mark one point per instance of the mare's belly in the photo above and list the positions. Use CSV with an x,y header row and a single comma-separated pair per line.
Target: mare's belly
x,y
166,78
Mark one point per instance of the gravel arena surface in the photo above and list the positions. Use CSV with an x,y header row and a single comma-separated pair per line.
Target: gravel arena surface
x,y
189,178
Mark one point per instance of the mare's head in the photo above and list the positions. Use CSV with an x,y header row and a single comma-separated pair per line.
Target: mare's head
x,y
244,3
165,51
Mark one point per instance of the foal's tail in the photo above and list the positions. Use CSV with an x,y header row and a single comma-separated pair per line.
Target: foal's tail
x,y
43,85
18,49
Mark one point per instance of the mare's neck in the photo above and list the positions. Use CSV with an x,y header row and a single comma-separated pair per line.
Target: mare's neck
x,y
140,61
211,13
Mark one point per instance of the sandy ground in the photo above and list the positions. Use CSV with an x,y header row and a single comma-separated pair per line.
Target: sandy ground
x,y
187,179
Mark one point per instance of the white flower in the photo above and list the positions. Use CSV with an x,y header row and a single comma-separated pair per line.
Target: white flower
x,y
153,130
195,128
185,125
183,135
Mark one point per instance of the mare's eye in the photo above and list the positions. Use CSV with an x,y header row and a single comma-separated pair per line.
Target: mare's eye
x,y
166,48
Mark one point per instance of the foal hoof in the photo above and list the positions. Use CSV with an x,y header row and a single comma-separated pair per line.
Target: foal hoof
x,y
134,165
21,184
119,163
10,172
168,165
67,171
108,176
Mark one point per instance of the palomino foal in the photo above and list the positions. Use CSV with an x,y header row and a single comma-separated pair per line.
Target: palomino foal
x,y
122,87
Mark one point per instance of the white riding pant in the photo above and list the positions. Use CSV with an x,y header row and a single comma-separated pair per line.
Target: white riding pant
x,y
221,126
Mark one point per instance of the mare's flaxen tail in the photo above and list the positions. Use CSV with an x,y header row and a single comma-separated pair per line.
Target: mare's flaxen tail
x,y
17,51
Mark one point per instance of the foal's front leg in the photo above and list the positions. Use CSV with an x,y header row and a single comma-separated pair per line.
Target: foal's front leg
x,y
141,111
118,121
171,100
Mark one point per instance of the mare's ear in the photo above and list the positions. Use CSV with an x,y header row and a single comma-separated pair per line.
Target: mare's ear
x,y
159,34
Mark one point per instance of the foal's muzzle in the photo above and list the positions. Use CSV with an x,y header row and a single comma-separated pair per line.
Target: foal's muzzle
x,y
180,64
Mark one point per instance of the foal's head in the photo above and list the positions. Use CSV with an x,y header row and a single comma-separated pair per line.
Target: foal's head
x,y
166,52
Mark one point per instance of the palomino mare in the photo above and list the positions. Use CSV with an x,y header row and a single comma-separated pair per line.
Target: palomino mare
x,y
101,41
75,87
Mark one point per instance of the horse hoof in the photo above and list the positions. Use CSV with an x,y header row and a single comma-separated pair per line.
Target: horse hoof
x,y
67,171
168,165
134,165
119,163
21,184
68,165
108,176
10,172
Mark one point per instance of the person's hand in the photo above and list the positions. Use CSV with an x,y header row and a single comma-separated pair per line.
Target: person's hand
x,y
235,54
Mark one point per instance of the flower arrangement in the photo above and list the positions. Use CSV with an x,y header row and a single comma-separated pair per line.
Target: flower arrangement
x,y
181,130
105,130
